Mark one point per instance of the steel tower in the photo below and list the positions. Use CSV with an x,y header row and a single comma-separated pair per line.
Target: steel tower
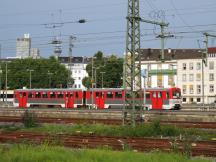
x,y
132,71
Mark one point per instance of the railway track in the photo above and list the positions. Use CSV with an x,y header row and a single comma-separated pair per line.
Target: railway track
x,y
185,124
206,148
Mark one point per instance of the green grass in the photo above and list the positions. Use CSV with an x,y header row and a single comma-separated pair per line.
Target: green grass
x,y
145,130
45,153
154,129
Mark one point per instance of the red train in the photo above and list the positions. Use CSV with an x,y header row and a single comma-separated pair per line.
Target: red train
x,y
155,98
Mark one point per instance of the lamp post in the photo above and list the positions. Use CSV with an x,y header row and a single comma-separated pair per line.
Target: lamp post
x,y
92,81
6,82
0,73
0,81
49,78
30,78
102,73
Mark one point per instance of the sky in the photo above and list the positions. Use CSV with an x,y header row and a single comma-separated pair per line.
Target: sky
x,y
105,27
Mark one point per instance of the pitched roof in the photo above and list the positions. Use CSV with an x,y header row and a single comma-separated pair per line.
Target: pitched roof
x,y
170,54
80,60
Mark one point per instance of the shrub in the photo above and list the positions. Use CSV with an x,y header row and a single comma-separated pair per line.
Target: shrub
x,y
29,119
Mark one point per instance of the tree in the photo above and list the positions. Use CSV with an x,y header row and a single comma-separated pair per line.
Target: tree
x,y
110,67
45,72
87,82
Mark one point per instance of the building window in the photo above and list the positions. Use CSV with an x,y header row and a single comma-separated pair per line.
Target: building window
x,y
191,89
171,80
198,89
75,86
79,78
211,65
211,88
159,80
184,66
211,77
191,100
191,77
184,89
198,99
79,86
198,77
184,99
184,79
198,66
191,66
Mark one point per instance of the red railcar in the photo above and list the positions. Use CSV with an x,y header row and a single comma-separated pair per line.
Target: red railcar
x,y
65,98
154,98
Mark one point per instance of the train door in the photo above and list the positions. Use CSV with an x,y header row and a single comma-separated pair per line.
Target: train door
x,y
99,99
69,100
22,99
157,100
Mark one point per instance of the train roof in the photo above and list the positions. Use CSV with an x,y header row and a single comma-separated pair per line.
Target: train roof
x,y
51,89
94,89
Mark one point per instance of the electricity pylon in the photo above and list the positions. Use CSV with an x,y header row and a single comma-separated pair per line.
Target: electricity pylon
x,y
132,71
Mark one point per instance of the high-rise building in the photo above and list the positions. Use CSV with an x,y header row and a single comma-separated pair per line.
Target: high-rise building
x,y
23,46
35,53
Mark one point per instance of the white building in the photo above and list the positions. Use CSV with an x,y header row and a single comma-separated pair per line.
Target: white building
x,y
23,46
182,68
24,50
35,53
78,69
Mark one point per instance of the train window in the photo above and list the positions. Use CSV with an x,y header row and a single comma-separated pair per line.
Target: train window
x,y
9,95
37,95
52,94
167,95
97,94
71,94
147,95
118,94
30,95
77,95
176,94
109,95
154,95
20,95
44,95
60,95
159,94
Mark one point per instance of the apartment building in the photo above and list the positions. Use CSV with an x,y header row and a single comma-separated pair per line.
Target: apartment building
x,y
181,68
77,66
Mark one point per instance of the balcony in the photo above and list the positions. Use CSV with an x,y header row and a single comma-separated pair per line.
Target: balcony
x,y
163,72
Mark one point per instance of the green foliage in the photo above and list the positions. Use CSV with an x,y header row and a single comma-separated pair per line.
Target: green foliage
x,y
110,67
46,153
87,82
146,130
29,119
19,74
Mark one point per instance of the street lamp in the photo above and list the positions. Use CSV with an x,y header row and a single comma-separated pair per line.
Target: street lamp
x,y
92,80
30,70
49,78
102,73
0,73
6,82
